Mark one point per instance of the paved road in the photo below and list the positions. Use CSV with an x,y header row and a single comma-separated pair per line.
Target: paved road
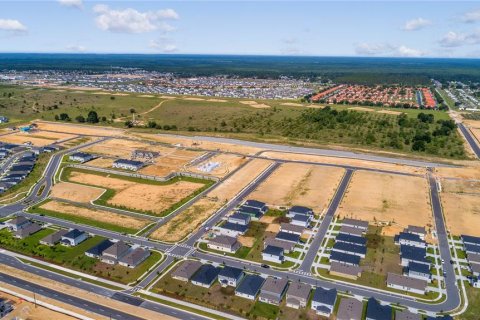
x,y
314,151
327,220
470,139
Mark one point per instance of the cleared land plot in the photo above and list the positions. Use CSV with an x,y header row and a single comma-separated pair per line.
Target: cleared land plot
x,y
95,217
227,163
476,133
470,171
21,138
75,192
148,197
384,198
79,129
298,184
345,162
462,212
173,161
189,220
460,186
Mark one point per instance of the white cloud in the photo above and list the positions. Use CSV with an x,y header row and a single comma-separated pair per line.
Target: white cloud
x,y
12,26
133,21
454,39
72,3
471,17
386,49
163,44
76,48
416,24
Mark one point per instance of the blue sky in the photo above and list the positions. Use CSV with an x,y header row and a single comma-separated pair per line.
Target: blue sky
x,y
319,28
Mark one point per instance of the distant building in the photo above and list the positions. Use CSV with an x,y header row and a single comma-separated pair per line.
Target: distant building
x,y
354,223
145,154
17,223
27,231
299,210
81,157
126,164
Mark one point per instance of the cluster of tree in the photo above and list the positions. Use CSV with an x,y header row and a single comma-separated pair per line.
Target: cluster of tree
x,y
92,117
154,125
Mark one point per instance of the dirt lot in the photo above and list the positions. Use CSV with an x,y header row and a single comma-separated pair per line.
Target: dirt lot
x,y
101,163
21,138
187,222
345,161
476,133
384,198
174,161
98,215
86,295
137,196
460,186
299,184
79,129
227,163
471,170
75,192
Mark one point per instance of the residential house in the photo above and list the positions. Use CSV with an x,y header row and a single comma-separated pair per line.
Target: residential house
x,y
97,250
344,258
145,154
301,220
376,311
291,228
354,223
404,283
286,246
471,248
289,237
273,290
205,276
419,271
324,301
350,239
475,268
17,223
413,254
298,294
53,238
81,157
249,287
254,213
27,231
410,239
186,270
350,309
115,252
232,229
239,218
134,257
473,258
345,270
273,254
299,210
125,164
256,204
470,240
406,315
343,247
73,237
419,231
224,244
230,276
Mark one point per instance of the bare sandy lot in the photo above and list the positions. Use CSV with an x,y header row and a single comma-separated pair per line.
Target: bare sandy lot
x,y
246,241
462,212
292,104
470,171
173,161
189,221
345,161
143,197
460,186
101,163
194,99
255,104
167,97
75,192
21,138
384,198
79,129
227,163
476,133
361,109
146,96
97,215
390,112
217,100
298,184
51,135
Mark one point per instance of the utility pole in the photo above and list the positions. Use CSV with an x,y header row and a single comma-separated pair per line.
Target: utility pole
x,y
34,300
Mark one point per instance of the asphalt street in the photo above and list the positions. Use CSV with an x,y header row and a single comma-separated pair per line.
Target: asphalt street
x,y
470,139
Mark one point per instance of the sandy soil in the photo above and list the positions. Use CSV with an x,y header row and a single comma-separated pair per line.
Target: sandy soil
x,y
86,295
460,186
189,221
27,310
173,161
228,163
292,104
246,241
79,129
383,198
167,97
51,135
255,104
217,100
462,212
20,138
101,163
273,227
361,109
390,112
194,99
147,96
267,219
190,142
298,184
73,142
476,133
75,192
345,161
470,171
144,197
98,215
472,123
